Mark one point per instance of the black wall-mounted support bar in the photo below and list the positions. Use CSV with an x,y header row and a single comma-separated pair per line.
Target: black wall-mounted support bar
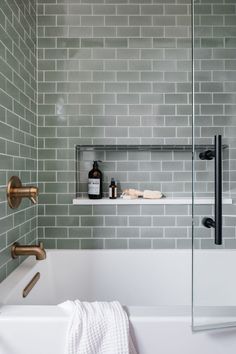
x,y
209,155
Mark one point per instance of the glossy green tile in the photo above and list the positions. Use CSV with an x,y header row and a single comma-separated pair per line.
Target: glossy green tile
x,y
55,232
139,244
116,244
68,244
92,244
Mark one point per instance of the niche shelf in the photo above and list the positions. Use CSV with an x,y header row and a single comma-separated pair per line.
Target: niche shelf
x,y
81,198
140,201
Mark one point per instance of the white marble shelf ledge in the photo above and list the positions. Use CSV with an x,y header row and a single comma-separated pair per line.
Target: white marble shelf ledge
x,y
140,201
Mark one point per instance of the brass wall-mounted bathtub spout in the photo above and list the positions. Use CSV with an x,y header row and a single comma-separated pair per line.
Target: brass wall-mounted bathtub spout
x,y
28,250
15,192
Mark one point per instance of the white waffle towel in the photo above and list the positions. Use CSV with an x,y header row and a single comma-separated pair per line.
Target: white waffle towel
x,y
97,328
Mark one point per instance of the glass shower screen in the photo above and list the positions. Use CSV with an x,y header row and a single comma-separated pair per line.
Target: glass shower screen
x,y
214,168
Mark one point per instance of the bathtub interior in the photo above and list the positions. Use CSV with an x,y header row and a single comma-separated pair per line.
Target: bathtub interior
x,y
142,281
151,283
135,278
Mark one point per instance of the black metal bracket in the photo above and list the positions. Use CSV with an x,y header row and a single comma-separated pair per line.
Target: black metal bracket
x,y
207,155
208,222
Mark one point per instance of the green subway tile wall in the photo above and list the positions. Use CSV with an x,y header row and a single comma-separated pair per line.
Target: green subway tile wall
x,y
119,72
112,73
215,97
18,123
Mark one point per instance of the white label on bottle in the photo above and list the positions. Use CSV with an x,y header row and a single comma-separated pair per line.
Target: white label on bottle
x,y
94,186
110,193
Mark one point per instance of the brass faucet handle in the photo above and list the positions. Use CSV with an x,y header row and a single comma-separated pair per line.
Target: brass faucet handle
x,y
15,192
33,193
41,246
33,200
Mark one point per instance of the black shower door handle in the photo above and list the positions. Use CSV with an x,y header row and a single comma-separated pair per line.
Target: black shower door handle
x,y
209,155
218,190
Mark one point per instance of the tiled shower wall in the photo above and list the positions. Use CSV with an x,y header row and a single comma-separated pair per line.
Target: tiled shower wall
x,y
215,97
119,72
18,126
113,72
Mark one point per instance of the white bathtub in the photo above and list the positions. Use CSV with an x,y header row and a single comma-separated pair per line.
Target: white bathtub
x,y
154,286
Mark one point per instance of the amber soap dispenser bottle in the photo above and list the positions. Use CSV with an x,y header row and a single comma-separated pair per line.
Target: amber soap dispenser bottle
x,y
95,182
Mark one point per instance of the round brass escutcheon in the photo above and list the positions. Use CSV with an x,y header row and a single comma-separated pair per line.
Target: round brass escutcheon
x,y
13,255
13,200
